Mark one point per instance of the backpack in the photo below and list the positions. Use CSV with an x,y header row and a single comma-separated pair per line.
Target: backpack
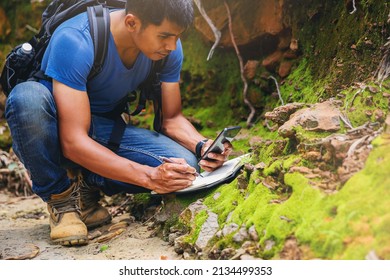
x,y
56,13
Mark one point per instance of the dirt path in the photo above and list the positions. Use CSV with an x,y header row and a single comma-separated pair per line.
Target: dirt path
x,y
24,232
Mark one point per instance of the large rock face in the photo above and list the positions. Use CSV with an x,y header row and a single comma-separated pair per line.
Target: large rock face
x,y
252,20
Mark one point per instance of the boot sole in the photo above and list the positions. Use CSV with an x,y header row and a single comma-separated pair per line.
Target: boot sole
x,y
71,241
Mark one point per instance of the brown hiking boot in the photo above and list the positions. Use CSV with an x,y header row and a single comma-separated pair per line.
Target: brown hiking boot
x,y
92,213
66,226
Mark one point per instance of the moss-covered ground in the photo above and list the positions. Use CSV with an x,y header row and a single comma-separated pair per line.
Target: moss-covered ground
x,y
338,62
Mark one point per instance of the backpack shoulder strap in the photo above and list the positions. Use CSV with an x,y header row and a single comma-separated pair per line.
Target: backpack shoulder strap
x,y
99,21
149,88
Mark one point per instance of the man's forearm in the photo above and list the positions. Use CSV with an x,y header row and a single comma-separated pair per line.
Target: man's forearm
x,y
182,131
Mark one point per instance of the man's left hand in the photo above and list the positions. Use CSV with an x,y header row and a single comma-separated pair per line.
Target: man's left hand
x,y
216,160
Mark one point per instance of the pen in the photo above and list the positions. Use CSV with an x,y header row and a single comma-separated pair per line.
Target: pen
x,y
168,160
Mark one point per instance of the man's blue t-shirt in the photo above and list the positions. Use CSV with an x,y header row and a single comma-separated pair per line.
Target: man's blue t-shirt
x,y
70,55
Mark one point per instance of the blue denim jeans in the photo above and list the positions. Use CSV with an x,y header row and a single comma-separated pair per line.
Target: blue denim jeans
x,y
32,117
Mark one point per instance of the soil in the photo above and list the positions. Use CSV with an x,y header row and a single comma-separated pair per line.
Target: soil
x,y
24,234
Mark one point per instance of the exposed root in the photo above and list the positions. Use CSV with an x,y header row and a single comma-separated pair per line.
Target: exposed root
x,y
354,7
217,33
277,88
245,91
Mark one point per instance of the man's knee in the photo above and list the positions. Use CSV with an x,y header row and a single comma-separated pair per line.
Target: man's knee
x,y
30,99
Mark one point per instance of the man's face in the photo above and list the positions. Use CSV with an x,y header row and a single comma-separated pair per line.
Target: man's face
x,y
156,42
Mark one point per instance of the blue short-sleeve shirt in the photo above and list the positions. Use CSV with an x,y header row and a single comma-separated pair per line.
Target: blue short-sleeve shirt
x,y
70,55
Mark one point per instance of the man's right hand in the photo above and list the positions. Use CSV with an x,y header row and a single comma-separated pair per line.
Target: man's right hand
x,y
171,177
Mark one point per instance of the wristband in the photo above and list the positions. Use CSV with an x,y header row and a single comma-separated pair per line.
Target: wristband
x,y
199,146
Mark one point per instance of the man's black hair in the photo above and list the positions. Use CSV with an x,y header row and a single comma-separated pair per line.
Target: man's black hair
x,y
180,12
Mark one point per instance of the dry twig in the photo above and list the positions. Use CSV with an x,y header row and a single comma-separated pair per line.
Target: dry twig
x,y
245,91
277,88
32,29
354,7
346,121
117,209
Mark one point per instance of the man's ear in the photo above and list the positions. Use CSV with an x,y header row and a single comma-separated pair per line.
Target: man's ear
x,y
132,22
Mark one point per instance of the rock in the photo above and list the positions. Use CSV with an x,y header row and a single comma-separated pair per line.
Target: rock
x,y
172,207
300,169
186,256
228,253
242,183
216,195
251,247
373,89
291,250
294,46
228,229
281,114
190,212
208,230
273,60
238,254
284,40
250,69
253,233
269,244
320,117
289,54
241,235
313,156
246,257
260,165
172,237
249,167
285,69
372,256
379,115
229,216
337,148
254,140
180,246
266,20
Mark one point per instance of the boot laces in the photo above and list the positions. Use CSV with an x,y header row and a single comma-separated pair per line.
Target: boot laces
x,y
70,203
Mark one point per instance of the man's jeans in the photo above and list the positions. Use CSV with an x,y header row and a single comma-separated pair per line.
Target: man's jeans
x,y
32,117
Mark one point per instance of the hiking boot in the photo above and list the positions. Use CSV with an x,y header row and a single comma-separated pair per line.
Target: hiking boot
x,y
66,226
92,213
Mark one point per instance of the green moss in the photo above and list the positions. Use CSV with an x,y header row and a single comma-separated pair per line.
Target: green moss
x,y
357,228
342,51
304,135
345,225
229,197
300,87
199,220
217,93
361,105
142,198
265,153
291,161
256,209
274,168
